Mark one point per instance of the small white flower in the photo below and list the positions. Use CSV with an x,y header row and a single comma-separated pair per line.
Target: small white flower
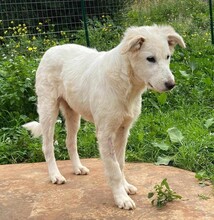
x,y
59,121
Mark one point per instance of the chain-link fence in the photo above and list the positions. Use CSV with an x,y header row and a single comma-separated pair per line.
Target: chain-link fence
x,y
54,15
211,21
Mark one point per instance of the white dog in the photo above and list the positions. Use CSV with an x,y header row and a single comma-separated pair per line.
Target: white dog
x,y
104,88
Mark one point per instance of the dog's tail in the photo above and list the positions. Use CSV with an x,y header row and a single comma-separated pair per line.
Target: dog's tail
x,y
34,127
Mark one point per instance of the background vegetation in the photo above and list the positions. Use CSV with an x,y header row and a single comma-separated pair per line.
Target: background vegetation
x,y
175,128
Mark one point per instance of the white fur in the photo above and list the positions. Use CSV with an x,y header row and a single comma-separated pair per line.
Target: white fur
x,y
104,88
34,127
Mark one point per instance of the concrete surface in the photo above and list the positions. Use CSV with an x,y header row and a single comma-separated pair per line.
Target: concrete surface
x,y
26,193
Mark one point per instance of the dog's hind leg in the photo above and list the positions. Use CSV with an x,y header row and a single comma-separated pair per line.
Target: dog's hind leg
x,y
48,110
72,123
120,142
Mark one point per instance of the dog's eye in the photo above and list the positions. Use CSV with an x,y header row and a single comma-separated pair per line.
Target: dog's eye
x,y
151,59
167,57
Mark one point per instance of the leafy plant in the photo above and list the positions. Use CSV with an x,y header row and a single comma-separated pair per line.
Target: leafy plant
x,y
175,135
163,194
163,160
202,176
209,122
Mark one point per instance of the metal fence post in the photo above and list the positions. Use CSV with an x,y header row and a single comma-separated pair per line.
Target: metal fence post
x,y
85,22
211,21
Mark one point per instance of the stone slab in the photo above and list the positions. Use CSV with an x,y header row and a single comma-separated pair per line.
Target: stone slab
x,y
26,193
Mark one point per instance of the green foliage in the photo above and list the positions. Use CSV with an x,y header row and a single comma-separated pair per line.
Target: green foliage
x,y
17,146
53,12
163,194
175,128
175,135
17,88
103,33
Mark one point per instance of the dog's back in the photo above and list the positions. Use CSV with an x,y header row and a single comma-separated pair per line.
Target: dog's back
x,y
57,58
65,70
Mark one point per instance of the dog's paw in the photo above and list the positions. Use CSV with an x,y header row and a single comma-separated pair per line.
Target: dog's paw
x,y
57,179
130,189
81,170
125,202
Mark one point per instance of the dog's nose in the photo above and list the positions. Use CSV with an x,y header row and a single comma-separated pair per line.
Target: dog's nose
x,y
169,85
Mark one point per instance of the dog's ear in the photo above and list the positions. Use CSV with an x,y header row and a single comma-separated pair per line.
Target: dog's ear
x,y
174,39
133,44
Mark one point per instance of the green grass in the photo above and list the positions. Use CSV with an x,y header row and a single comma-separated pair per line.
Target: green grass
x,y
188,109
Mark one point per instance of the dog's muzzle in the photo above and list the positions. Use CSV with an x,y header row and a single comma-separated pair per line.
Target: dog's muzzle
x,y
169,85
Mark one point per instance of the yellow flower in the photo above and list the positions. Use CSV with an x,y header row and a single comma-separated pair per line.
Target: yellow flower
x,y
12,22
32,49
38,29
17,45
63,33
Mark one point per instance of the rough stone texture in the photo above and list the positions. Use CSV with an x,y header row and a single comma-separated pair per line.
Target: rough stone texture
x,y
26,193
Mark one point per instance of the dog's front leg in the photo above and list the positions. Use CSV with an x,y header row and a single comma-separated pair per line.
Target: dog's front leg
x,y
120,142
113,172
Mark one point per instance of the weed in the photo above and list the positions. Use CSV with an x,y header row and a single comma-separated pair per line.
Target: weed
x,y
163,194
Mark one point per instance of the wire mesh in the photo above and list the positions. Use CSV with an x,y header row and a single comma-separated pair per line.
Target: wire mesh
x,y
52,16
211,21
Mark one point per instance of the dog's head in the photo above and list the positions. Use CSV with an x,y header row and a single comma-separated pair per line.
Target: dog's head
x,y
149,49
